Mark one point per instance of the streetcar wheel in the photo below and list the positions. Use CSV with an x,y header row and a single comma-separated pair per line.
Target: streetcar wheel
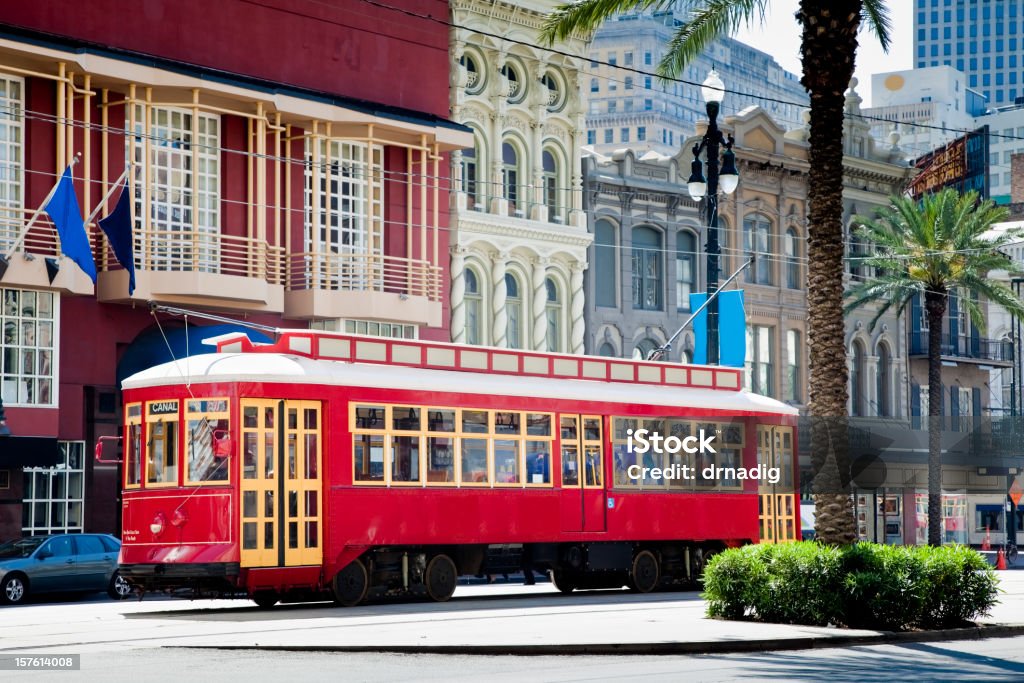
x,y
562,581
14,589
440,578
119,588
266,599
351,584
645,574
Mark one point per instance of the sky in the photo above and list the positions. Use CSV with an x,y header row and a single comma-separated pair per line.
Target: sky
x,y
780,37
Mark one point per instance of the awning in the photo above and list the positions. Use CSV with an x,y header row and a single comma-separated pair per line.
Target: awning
x,y
28,451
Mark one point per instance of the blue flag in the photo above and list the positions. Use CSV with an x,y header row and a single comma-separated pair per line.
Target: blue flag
x,y
118,229
65,214
732,329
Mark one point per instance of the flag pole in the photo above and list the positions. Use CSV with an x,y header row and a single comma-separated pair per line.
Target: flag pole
x,y
113,187
662,351
42,207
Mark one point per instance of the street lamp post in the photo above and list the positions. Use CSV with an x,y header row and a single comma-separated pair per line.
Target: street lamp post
x,y
713,91
1017,372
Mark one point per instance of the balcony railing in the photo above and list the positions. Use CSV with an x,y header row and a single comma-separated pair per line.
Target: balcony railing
x,y
975,348
41,239
364,273
196,251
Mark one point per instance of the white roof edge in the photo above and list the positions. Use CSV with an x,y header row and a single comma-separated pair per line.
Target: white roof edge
x,y
285,368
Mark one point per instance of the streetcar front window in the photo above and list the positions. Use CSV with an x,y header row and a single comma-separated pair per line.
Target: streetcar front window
x,y
133,446
162,443
208,444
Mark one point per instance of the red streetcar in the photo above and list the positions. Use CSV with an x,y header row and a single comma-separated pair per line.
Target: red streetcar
x,y
356,466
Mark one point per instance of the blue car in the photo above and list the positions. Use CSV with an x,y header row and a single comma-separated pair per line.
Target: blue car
x,y
63,563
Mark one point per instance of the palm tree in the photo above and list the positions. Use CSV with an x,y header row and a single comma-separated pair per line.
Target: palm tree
x,y
931,249
828,49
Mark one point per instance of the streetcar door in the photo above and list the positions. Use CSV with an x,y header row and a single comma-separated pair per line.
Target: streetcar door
x,y
778,507
583,496
281,495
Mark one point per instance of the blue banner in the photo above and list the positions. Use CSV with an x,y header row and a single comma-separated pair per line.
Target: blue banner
x,y
732,329
118,228
65,214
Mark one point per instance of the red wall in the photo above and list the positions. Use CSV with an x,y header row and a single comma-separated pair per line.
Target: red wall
x,y
345,47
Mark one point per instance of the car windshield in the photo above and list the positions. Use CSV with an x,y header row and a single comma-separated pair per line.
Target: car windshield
x,y
22,547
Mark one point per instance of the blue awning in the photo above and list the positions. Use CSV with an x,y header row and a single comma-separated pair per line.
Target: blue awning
x,y
151,348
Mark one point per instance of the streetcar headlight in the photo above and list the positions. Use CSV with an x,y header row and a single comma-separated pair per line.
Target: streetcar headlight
x,y
157,527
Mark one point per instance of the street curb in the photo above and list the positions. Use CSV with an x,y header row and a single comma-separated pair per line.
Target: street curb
x,y
667,648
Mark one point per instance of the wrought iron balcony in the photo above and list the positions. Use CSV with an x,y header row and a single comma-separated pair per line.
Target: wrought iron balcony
x,y
970,348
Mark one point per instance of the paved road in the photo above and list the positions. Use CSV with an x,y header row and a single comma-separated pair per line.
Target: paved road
x,y
987,660
159,640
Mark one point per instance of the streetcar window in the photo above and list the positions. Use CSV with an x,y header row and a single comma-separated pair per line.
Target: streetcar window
x,y
506,461
368,453
474,461
133,446
538,424
441,420
538,462
570,466
162,461
506,423
474,421
209,445
405,459
370,417
405,419
441,459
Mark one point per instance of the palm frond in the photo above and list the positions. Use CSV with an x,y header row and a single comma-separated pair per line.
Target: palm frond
x,y
708,21
587,15
875,15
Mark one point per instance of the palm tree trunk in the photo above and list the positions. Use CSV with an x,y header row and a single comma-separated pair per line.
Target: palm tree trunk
x,y
828,47
935,306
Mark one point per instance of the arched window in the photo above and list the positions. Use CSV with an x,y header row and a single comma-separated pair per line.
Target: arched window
x,y
757,241
857,394
474,308
470,184
792,260
514,310
644,348
646,269
550,180
607,349
510,176
686,268
793,378
474,77
606,273
884,381
554,315
686,357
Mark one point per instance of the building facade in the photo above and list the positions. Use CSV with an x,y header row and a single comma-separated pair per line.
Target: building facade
x,y
984,40
520,247
304,186
630,108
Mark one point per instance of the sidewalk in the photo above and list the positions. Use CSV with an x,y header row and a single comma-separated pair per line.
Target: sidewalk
x,y
542,622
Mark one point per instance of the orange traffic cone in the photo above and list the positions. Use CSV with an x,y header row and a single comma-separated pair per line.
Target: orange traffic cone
x,y
1000,560
986,544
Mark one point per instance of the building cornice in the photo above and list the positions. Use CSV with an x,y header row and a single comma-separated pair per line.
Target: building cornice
x,y
489,224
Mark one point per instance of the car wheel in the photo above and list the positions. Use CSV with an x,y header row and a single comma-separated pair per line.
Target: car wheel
x,y
14,589
119,588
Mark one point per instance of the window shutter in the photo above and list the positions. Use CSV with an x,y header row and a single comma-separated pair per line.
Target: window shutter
x,y
976,401
915,406
954,409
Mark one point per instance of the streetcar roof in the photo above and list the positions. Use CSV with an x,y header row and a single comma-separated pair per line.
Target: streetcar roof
x,y
292,369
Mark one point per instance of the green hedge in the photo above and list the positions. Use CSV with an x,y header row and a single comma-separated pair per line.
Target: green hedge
x,y
864,585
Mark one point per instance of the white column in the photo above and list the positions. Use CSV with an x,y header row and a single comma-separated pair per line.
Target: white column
x,y
499,295
540,300
458,290
871,382
577,329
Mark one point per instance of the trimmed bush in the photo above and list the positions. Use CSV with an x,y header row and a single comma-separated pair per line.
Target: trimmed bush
x,y
861,586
